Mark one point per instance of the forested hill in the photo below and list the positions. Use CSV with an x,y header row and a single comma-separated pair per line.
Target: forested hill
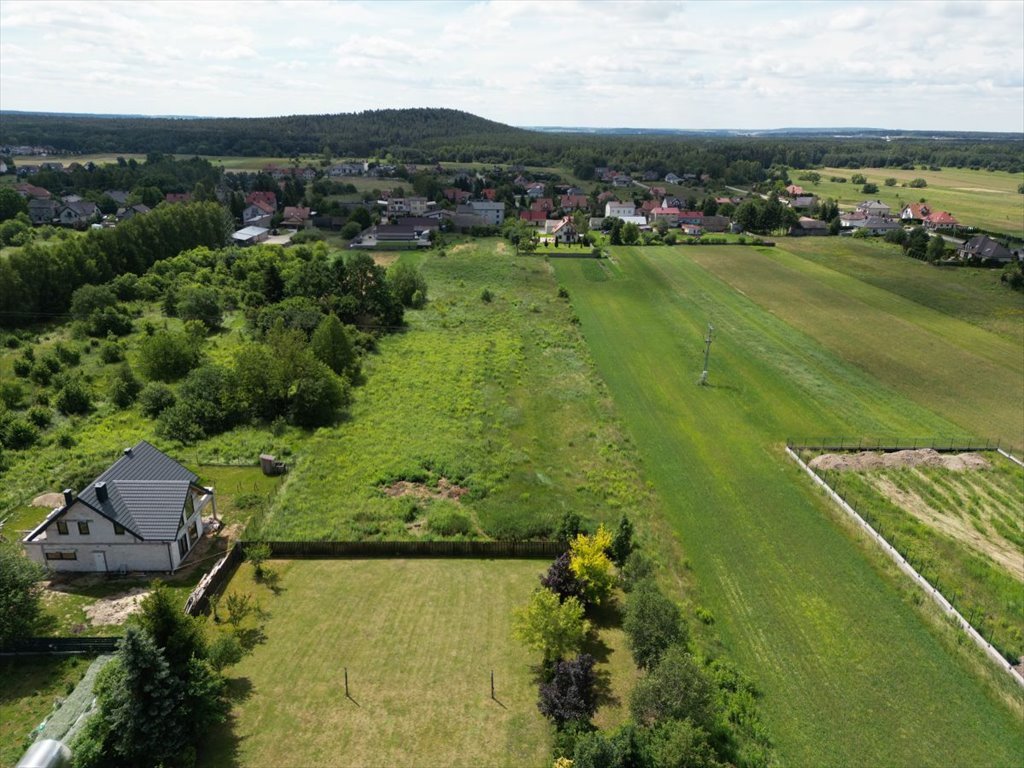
x,y
430,135
358,134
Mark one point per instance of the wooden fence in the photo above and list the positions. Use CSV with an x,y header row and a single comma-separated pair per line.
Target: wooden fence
x,y
890,444
211,583
58,646
547,550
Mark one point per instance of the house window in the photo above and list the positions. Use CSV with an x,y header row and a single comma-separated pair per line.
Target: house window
x,y
83,527
62,527
190,507
119,529
193,531
182,547
61,555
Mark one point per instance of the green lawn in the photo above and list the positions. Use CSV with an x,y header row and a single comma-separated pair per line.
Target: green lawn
x,y
419,638
29,688
852,673
976,198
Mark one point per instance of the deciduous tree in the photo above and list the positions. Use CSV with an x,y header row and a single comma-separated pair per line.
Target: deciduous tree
x,y
551,626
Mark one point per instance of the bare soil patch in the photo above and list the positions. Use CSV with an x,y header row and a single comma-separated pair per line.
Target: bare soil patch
x,y
960,528
48,500
445,490
114,610
460,248
502,247
926,457
982,189
385,259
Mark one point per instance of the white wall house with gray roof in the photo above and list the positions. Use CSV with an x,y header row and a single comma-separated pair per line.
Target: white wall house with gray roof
x,y
144,513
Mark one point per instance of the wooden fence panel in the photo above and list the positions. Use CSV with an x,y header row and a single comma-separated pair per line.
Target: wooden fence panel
x,y
547,550
27,646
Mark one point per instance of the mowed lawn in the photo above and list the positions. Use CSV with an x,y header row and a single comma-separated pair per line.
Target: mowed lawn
x,y
419,638
851,673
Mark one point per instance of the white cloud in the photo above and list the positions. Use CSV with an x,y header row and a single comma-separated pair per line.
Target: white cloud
x,y
726,64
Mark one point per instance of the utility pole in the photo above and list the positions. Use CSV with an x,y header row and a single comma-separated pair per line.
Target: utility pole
x,y
707,354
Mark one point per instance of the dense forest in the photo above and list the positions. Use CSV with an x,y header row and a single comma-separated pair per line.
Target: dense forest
x,y
428,135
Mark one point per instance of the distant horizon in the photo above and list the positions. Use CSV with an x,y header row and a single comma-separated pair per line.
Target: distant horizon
x,y
616,129
926,66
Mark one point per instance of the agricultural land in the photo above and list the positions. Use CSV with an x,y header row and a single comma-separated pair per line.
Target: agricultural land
x,y
849,667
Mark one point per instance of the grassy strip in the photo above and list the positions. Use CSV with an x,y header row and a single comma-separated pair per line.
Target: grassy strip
x,y
835,648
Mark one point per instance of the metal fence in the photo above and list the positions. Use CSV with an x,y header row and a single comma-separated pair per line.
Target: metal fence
x,y
890,444
57,646
547,550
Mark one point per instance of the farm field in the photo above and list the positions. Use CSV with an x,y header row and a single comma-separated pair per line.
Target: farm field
x,y
961,528
852,673
984,199
930,356
419,638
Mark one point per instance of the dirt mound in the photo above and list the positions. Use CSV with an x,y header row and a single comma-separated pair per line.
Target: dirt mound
x,y
49,500
445,490
114,610
922,457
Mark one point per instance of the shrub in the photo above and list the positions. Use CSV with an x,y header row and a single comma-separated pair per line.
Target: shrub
x,y
68,356
318,398
589,561
74,396
407,284
918,183
168,355
486,296
155,398
111,352
676,689
561,580
548,625
20,434
124,387
40,416
12,394
653,623
890,182
569,694
636,568
446,520
201,303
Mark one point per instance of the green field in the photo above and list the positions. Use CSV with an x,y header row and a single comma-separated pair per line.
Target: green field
x,y
985,199
419,638
852,673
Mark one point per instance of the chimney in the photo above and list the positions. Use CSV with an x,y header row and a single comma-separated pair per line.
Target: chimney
x,y
69,497
101,491
127,451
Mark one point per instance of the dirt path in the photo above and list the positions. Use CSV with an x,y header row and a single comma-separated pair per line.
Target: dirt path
x,y
865,460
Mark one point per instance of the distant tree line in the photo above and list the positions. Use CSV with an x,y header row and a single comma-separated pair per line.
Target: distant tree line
x,y
429,135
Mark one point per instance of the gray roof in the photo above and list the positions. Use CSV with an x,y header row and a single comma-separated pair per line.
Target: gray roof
x,y
146,492
984,247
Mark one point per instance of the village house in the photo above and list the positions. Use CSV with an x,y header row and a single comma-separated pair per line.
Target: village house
x,y
619,209
671,178
269,199
123,214
802,202
808,227
29,191
915,211
345,169
695,218
941,220
177,197
536,218
794,190
982,248
78,214
257,214
456,195
42,210
874,208
668,215
716,223
622,180
491,213
296,217
574,202
563,230
144,513
543,204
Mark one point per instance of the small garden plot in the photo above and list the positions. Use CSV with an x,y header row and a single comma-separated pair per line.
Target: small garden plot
x,y
959,519
419,639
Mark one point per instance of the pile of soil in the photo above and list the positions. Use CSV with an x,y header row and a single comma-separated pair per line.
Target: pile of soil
x,y
445,490
49,500
922,457
114,610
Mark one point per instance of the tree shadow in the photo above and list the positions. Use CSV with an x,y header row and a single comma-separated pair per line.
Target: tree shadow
x,y
596,647
250,637
603,694
607,615
222,746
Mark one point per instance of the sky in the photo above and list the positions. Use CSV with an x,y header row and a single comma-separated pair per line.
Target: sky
x,y
690,65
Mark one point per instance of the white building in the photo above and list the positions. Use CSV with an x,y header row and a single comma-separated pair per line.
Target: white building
x,y
143,514
619,209
491,213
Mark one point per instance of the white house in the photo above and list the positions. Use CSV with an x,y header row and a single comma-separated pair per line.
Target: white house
x,y
491,212
144,513
619,209
257,214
